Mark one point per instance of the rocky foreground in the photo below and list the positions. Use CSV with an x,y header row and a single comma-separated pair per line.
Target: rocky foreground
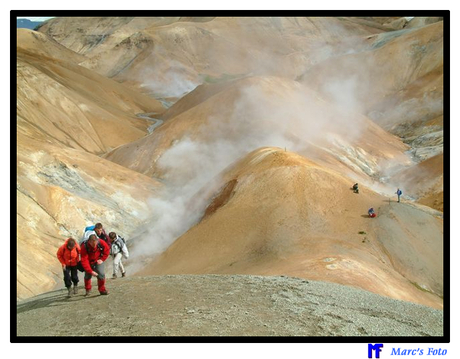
x,y
224,305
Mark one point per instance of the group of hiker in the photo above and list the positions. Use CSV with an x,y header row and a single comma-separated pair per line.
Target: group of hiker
x,y
371,211
89,256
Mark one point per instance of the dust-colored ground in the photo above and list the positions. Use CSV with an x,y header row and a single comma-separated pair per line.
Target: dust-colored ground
x,y
224,305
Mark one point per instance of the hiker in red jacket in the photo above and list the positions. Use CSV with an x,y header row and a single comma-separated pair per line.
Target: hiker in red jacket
x,y
69,255
94,252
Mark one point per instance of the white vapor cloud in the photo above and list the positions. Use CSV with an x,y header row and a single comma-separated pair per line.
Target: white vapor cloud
x,y
268,111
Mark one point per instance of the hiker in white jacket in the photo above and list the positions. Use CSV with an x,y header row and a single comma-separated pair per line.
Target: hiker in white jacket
x,y
118,250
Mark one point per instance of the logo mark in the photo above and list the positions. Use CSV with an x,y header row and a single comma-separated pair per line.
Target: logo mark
x,y
371,348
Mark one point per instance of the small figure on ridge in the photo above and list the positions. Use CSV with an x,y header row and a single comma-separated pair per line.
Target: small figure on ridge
x,y
355,188
371,212
399,193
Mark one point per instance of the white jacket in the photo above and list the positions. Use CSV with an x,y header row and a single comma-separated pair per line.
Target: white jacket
x,y
119,246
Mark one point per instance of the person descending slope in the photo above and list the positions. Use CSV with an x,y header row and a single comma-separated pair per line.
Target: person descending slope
x,y
94,252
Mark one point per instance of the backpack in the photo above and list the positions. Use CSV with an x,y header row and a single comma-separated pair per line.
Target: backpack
x,y
122,239
118,244
89,228
399,193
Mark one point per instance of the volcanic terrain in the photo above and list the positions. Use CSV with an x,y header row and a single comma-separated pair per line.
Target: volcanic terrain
x,y
224,150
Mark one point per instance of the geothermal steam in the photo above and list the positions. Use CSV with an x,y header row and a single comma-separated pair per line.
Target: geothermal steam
x,y
268,112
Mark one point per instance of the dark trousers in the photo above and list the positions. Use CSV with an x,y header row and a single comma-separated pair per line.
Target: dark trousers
x,y
70,276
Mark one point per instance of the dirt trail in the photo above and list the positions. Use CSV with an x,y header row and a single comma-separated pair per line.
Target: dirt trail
x,y
224,305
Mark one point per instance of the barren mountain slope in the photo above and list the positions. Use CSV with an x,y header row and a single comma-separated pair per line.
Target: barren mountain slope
x,y
59,192
198,95
286,215
424,182
43,45
260,111
423,21
170,56
66,114
84,156
66,103
376,72
87,35
242,45
225,305
350,58
397,81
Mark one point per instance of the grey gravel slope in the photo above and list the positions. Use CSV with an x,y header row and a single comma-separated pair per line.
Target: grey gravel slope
x,y
224,305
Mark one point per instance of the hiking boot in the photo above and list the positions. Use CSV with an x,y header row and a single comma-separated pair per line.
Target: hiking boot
x,y
104,292
69,292
114,276
88,292
123,274
75,289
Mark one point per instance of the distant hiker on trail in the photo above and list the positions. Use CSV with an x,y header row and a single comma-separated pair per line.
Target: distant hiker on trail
x,y
399,193
118,250
355,188
371,212
98,230
94,252
69,255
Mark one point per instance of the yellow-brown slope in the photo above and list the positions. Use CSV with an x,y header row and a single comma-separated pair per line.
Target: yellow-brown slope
x,y
70,105
156,54
397,78
65,115
59,192
41,44
287,215
425,182
266,111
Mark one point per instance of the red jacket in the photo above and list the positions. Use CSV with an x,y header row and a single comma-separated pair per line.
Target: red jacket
x,y
68,257
101,251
